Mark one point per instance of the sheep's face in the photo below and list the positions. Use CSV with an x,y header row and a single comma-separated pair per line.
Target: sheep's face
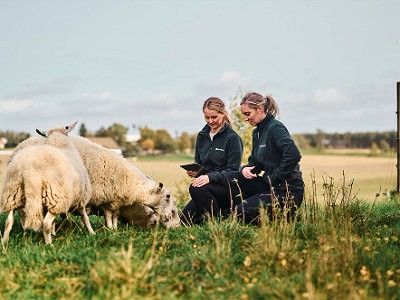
x,y
61,129
140,215
166,209
150,220
163,205
170,216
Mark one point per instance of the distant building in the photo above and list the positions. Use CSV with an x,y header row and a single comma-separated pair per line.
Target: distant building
x,y
3,142
132,137
106,142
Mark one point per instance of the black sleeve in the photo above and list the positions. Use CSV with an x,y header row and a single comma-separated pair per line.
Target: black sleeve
x,y
197,152
250,161
290,152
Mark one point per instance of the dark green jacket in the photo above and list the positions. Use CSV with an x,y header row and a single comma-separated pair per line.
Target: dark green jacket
x,y
222,154
275,153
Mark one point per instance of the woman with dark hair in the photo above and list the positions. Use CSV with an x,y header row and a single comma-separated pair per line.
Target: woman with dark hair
x,y
273,170
219,149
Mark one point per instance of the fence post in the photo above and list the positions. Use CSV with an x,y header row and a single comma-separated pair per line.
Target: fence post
x,y
398,138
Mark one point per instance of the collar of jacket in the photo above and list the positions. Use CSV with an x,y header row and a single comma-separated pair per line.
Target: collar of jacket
x,y
206,129
261,125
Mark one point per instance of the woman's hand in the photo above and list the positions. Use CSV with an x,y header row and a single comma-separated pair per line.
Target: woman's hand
x,y
246,172
191,173
201,180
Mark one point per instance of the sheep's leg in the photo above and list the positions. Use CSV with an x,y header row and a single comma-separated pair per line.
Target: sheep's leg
x,y
21,214
115,219
53,228
9,224
48,226
86,220
108,217
81,223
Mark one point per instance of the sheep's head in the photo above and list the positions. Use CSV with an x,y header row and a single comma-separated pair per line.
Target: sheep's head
x,y
64,130
165,207
140,215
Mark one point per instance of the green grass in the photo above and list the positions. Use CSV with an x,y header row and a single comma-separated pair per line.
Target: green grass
x,y
342,249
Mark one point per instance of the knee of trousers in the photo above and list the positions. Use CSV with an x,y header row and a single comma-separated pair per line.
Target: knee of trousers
x,y
194,191
234,175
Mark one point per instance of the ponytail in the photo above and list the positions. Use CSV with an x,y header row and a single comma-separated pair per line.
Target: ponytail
x,y
268,103
271,106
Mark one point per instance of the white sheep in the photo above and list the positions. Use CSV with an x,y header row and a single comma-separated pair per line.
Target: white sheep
x,y
50,176
139,215
145,217
117,184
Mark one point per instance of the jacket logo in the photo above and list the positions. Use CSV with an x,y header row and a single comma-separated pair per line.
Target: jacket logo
x,y
218,149
263,146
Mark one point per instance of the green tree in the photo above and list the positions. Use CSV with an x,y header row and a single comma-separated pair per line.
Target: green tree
x,y
374,151
384,146
103,132
243,128
147,135
147,144
301,141
184,142
83,130
319,137
14,138
193,138
116,131
164,141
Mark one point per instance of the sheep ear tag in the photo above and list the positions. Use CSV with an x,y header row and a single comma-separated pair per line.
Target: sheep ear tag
x,y
42,133
69,127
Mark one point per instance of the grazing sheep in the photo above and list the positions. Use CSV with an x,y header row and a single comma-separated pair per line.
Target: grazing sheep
x,y
139,215
117,183
144,216
48,177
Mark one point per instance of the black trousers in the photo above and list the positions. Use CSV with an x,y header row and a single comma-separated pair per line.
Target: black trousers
x,y
210,199
252,194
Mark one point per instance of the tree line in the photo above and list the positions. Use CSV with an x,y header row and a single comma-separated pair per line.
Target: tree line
x,y
384,141
160,141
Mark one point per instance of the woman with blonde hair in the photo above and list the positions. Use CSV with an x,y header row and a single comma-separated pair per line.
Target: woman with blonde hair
x,y
219,149
273,170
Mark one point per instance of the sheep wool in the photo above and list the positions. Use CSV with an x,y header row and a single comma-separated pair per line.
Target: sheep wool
x,y
117,184
50,177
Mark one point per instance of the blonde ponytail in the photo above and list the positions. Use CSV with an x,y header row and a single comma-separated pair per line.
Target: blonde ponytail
x,y
268,103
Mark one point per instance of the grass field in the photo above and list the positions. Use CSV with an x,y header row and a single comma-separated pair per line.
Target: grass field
x,y
370,174
347,249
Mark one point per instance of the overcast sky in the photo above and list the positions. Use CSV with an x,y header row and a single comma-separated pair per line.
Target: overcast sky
x,y
330,65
